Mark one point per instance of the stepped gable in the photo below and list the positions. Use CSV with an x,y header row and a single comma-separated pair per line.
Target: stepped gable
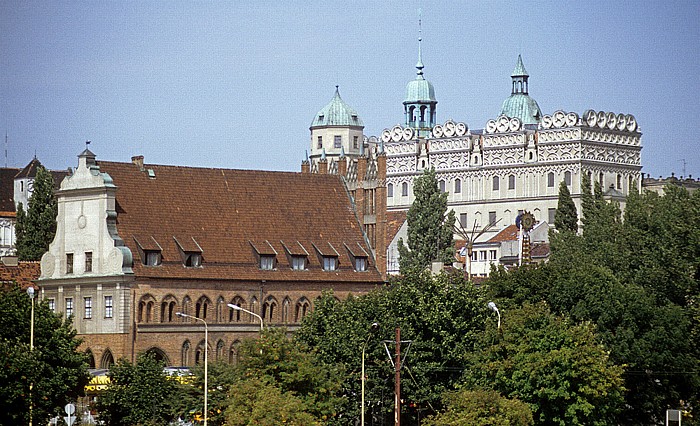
x,y
231,215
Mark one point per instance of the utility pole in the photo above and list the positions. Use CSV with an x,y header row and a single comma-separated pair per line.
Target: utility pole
x,y
397,379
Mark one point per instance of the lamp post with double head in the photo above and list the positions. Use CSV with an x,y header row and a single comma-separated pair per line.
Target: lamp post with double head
x,y
374,327
206,357
30,292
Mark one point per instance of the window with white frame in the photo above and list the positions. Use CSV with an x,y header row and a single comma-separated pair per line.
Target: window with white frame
x,y
360,264
69,307
319,144
441,185
354,142
496,183
482,255
330,263
298,263
551,214
52,305
458,186
567,178
492,218
69,263
337,141
88,261
267,262
404,189
108,307
550,180
390,190
87,303
492,254
511,182
463,220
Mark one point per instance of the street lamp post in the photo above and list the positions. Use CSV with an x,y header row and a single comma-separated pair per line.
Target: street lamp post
x,y
364,347
30,292
206,357
494,308
238,308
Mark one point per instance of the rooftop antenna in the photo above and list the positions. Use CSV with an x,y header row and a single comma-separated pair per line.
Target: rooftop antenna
x,y
5,148
87,144
682,160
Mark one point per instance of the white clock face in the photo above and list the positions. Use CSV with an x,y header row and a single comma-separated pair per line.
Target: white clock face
x,y
602,119
612,120
546,121
571,119
591,117
437,131
490,126
407,133
631,123
559,119
514,124
621,122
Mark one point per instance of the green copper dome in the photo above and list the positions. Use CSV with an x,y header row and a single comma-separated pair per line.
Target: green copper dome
x,y
520,104
337,113
523,107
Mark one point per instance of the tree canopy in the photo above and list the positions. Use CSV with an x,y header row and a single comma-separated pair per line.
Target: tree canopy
x,y
139,394
429,226
57,371
36,227
565,217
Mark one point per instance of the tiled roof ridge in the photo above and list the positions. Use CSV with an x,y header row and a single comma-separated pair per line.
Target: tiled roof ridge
x,y
174,166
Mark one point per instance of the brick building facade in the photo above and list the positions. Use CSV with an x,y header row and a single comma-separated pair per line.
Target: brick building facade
x,y
136,243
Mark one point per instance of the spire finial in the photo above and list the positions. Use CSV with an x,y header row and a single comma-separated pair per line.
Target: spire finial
x,y
419,65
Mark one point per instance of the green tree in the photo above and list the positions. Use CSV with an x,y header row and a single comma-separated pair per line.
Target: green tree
x,y
441,315
429,226
481,408
56,369
565,218
36,228
292,367
221,376
139,394
256,402
559,368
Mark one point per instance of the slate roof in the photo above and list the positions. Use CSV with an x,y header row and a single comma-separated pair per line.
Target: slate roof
x,y
235,216
7,191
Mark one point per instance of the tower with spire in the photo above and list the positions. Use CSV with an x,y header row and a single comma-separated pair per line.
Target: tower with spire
x,y
519,104
420,103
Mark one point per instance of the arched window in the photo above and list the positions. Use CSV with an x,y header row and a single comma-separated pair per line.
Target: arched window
x,y
142,308
234,315
441,185
185,353
550,180
390,190
220,306
601,181
269,308
91,358
186,307
511,182
302,309
220,350
199,353
253,308
496,183
286,303
202,308
167,308
404,189
159,355
107,359
567,178
458,185
149,311
233,353
619,181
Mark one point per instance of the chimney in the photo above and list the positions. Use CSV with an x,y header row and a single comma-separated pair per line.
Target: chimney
x,y
323,166
305,167
361,168
342,166
138,160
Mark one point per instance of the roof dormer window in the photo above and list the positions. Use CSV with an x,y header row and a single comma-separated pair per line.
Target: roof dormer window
x,y
190,252
149,250
267,262
298,263
358,255
360,264
152,258
330,263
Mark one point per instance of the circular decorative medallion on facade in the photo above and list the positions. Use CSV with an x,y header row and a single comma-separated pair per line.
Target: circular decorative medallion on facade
x,y
82,221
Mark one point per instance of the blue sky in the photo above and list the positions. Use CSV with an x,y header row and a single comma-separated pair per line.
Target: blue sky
x,y
236,84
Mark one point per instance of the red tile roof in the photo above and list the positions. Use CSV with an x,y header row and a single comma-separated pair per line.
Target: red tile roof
x,y
510,233
230,214
394,220
23,273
